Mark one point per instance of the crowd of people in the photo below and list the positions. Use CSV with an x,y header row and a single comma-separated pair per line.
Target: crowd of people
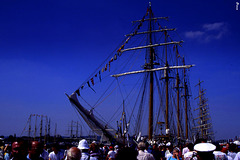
x,y
34,150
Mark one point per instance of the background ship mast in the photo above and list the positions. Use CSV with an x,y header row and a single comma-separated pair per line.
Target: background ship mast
x,y
204,127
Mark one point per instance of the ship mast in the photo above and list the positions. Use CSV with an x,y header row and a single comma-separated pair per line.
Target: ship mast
x,y
185,101
166,83
201,122
178,95
150,122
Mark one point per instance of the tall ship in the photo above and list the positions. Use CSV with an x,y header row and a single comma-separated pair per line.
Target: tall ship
x,y
141,89
203,120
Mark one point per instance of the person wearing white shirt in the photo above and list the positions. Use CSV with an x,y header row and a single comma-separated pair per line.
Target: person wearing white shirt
x,y
218,154
56,154
111,154
185,149
190,154
237,157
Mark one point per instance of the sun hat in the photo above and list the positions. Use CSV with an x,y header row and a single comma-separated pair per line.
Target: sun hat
x,y
83,144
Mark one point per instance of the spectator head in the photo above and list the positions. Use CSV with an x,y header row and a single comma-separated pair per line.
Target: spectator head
x,y
176,152
35,149
218,147
74,153
55,148
111,148
190,146
155,147
232,147
224,150
141,146
19,149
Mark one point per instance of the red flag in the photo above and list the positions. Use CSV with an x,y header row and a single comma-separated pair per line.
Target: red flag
x,y
92,81
119,50
105,67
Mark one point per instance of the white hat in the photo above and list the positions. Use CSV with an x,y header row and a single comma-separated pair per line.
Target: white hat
x,y
204,147
83,144
236,142
168,144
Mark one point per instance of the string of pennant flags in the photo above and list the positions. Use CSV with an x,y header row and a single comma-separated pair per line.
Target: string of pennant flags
x,y
107,66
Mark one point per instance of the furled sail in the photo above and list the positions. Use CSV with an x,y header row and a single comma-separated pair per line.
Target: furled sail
x,y
93,122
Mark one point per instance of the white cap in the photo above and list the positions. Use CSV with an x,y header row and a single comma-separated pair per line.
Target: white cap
x,y
83,144
116,146
236,142
168,144
204,147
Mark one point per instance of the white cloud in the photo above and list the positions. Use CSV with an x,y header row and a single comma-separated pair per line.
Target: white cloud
x,y
214,26
194,34
209,32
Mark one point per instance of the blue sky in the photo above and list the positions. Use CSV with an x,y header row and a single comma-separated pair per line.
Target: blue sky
x,y
48,48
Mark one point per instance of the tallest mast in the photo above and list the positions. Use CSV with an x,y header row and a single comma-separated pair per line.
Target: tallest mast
x,y
150,123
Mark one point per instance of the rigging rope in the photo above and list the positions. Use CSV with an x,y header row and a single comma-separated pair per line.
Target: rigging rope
x,y
140,110
80,118
120,88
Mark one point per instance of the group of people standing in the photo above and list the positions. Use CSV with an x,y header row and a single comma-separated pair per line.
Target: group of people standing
x,y
21,150
200,151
